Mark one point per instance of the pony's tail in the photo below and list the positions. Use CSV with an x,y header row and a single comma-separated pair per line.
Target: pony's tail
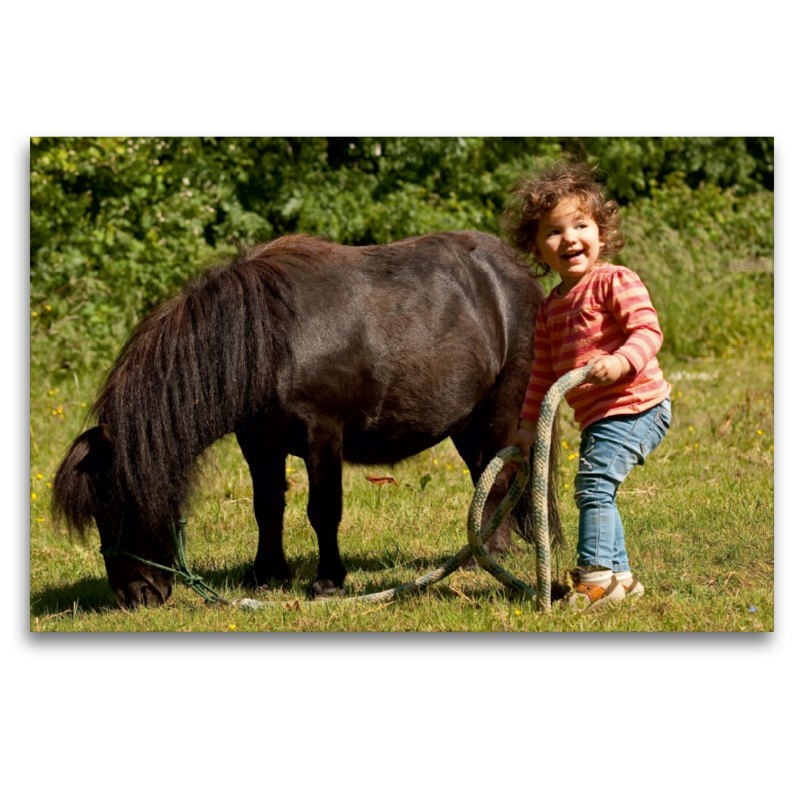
x,y
522,516
74,499
553,517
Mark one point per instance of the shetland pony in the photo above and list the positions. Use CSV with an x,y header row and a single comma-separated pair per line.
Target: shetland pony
x,y
300,346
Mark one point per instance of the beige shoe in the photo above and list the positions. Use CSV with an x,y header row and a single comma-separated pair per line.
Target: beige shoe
x,y
633,589
592,590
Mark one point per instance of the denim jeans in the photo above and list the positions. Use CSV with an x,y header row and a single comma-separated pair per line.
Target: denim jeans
x,y
610,449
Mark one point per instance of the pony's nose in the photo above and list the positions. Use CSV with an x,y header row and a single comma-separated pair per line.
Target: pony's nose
x,y
143,593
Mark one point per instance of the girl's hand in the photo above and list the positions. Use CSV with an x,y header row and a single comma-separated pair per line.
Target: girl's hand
x,y
607,369
523,439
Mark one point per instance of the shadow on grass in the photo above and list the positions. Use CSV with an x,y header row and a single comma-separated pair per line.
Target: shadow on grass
x,y
94,595
90,595
378,564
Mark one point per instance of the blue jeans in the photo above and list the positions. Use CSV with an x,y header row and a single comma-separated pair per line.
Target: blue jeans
x,y
610,449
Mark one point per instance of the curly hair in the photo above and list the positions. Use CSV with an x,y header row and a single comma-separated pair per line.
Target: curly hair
x,y
533,195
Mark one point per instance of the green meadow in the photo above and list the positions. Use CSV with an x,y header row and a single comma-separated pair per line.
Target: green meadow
x,y
698,517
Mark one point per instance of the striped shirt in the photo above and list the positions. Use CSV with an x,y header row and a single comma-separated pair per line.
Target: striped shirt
x,y
608,312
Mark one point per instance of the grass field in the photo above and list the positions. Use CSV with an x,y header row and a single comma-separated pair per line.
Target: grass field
x,y
698,517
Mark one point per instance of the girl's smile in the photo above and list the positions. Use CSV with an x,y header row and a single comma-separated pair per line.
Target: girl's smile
x,y
568,241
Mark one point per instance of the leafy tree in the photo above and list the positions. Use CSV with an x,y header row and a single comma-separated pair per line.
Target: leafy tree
x,y
117,224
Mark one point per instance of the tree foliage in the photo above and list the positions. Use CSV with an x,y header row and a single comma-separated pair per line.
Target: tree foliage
x,y
117,224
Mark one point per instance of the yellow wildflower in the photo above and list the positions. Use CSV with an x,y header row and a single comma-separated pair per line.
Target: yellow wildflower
x,y
48,308
34,313
39,476
760,433
33,495
231,627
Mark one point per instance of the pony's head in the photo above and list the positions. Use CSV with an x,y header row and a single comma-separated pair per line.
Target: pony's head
x,y
83,492
192,371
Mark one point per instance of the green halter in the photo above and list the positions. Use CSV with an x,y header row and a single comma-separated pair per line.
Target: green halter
x,y
178,536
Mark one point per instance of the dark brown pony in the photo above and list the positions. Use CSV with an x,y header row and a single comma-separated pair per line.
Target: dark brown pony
x,y
361,354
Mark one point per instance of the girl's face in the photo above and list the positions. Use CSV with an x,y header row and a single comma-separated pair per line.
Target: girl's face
x,y
568,241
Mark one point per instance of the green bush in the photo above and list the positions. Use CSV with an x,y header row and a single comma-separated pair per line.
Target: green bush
x,y
119,224
706,258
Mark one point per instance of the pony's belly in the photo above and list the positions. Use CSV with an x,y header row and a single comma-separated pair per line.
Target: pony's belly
x,y
375,448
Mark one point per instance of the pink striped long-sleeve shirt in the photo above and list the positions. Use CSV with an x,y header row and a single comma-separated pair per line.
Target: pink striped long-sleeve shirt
x,y
609,312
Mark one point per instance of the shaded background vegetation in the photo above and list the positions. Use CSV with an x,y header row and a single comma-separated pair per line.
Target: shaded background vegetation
x,y
118,224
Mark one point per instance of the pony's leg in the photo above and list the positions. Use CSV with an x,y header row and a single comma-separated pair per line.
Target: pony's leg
x,y
324,466
268,471
491,430
477,448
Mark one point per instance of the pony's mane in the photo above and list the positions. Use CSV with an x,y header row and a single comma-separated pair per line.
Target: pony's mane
x,y
192,371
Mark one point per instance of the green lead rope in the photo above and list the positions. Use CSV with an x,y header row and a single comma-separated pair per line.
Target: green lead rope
x,y
178,536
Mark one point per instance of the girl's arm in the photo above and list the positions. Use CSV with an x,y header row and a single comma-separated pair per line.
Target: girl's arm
x,y
629,302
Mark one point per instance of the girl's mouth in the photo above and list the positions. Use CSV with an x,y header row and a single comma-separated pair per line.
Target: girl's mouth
x,y
574,254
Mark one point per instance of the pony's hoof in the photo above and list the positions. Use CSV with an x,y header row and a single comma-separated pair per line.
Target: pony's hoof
x,y
324,587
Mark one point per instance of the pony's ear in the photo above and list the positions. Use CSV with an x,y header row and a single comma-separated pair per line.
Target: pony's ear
x,y
93,449
74,494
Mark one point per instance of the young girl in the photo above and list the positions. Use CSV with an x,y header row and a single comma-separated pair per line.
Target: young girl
x,y
600,314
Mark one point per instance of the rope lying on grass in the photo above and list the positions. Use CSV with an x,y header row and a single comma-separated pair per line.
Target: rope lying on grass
x,y
477,535
459,559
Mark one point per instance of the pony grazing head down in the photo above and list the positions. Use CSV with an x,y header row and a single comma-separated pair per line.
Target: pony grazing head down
x,y
189,373
82,495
